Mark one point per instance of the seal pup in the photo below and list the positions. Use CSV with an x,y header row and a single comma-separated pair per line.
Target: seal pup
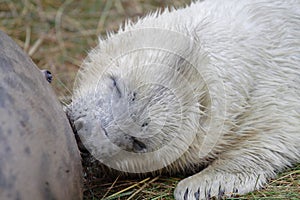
x,y
214,85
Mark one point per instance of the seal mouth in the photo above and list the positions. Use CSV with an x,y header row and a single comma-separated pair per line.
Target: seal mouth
x,y
138,146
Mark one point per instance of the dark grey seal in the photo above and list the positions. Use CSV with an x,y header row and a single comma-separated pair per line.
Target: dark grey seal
x,y
39,158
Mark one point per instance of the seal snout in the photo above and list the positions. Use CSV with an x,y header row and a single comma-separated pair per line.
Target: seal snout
x,y
78,124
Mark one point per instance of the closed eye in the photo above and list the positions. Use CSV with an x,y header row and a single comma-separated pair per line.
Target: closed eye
x,y
116,85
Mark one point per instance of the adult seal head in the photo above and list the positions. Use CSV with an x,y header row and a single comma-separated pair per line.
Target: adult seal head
x,y
196,87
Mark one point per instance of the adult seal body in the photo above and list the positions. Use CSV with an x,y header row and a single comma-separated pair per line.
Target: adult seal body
x,y
215,85
39,158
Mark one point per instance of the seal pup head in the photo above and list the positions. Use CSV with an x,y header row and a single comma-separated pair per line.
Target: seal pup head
x,y
138,110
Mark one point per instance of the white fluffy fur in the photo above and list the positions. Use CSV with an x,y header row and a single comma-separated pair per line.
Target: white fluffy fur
x,y
236,94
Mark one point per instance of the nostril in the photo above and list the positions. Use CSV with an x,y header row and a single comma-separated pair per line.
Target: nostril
x,y
78,124
138,146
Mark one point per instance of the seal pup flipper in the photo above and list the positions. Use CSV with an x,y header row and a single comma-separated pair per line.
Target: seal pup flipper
x,y
236,172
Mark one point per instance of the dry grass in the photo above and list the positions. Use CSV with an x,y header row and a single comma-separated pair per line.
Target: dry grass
x,y
57,35
103,186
